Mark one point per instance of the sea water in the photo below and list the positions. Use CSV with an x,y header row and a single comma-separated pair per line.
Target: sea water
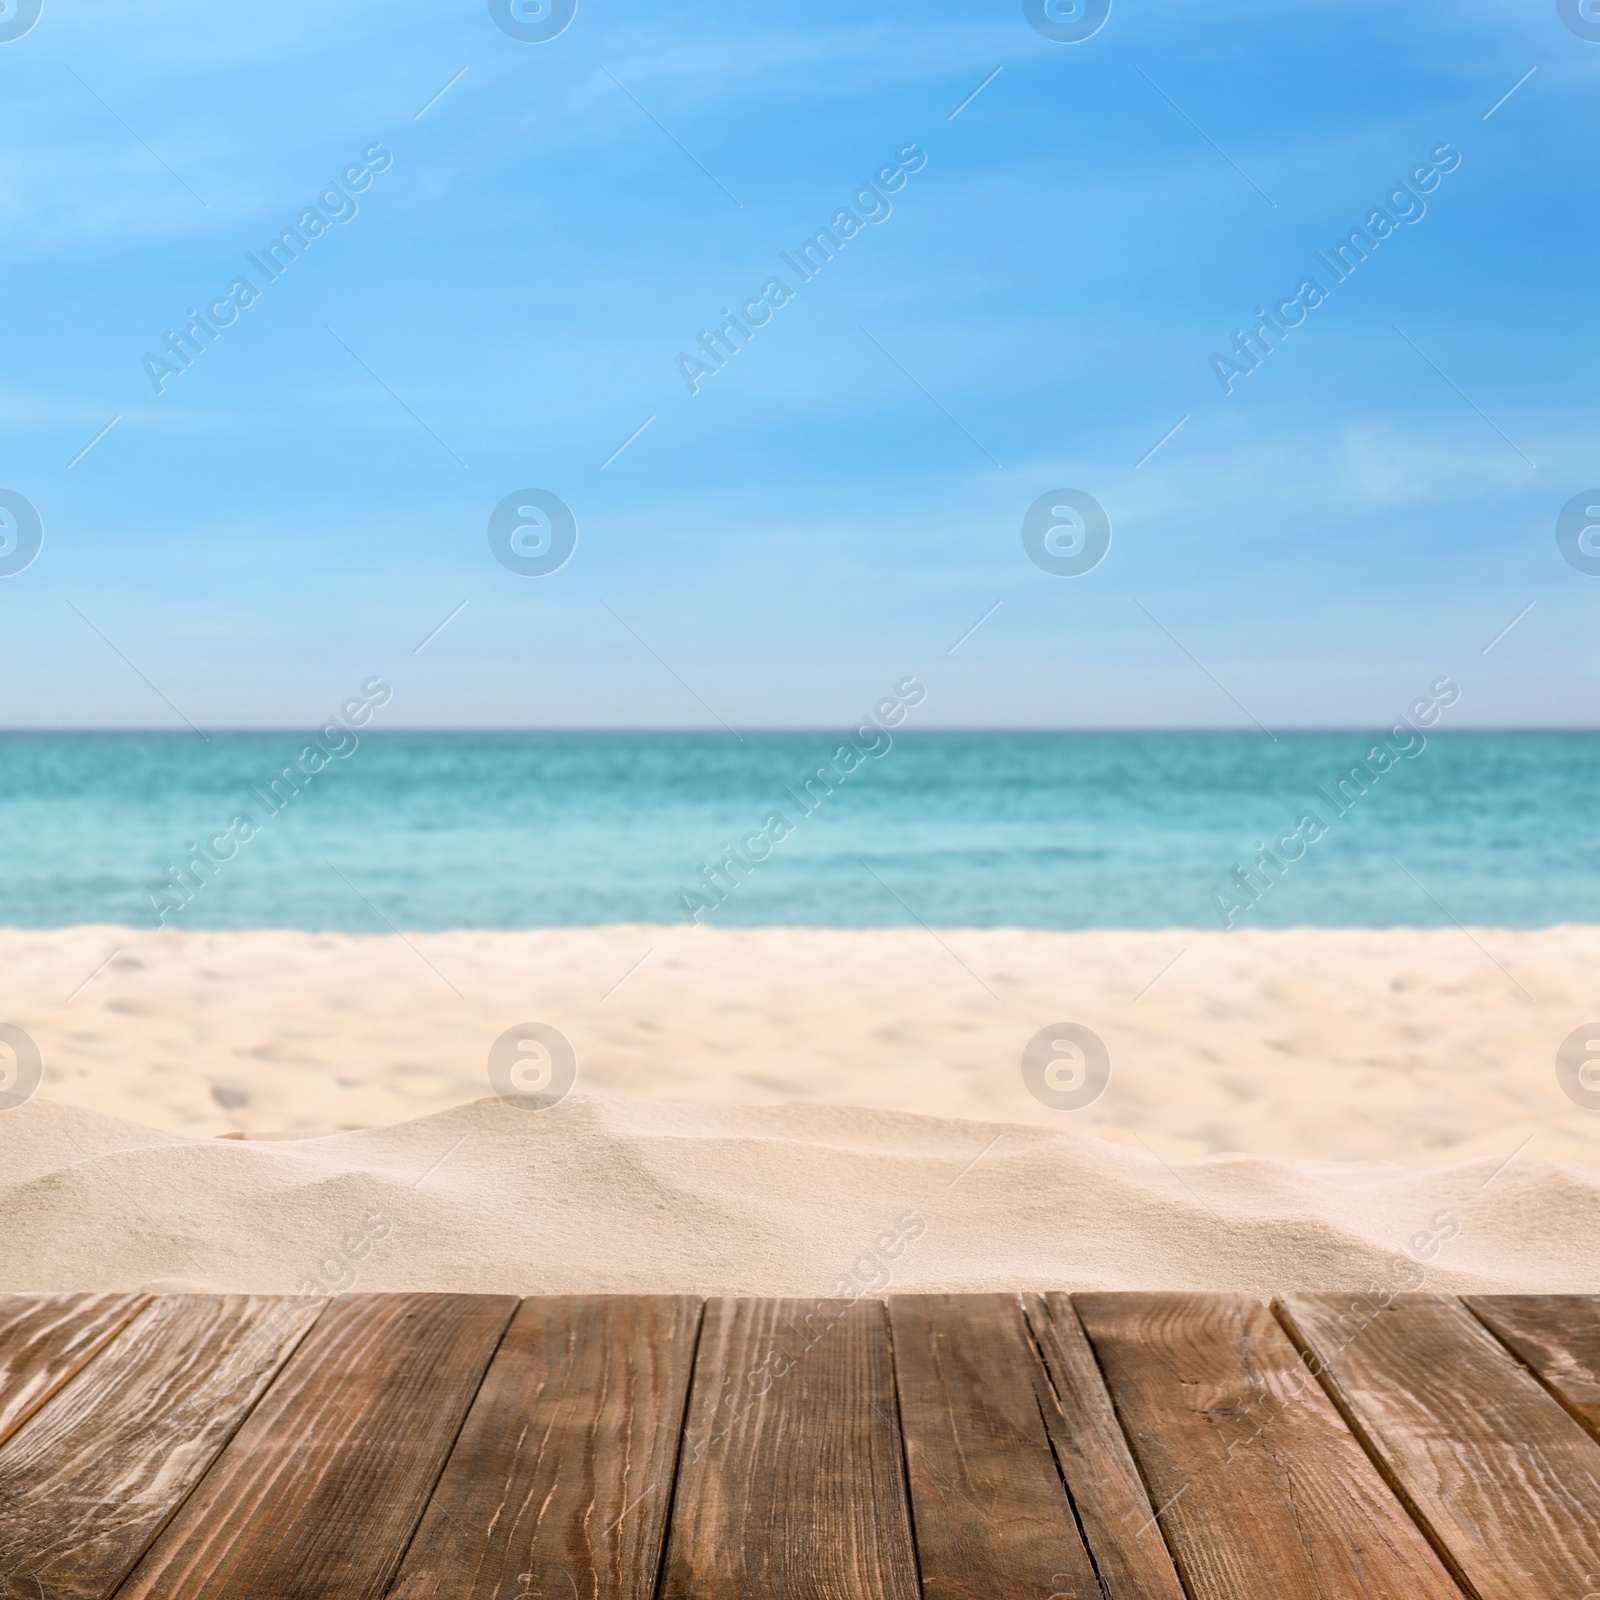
x,y
1071,830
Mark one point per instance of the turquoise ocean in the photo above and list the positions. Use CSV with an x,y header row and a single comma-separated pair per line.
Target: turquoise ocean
x,y
1040,830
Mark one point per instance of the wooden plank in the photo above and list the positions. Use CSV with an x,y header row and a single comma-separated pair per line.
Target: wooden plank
x,y
1506,1480
561,1479
90,1479
46,1339
1117,1517
322,1487
990,1512
791,1484
1264,1493
1558,1336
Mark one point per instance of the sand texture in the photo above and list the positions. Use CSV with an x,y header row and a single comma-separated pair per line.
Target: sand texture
x,y
799,1112
1416,1047
628,1195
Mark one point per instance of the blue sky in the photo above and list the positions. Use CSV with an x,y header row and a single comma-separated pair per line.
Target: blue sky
x,y
302,507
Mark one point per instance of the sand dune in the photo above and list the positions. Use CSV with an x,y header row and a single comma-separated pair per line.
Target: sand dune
x,y
799,1112
628,1195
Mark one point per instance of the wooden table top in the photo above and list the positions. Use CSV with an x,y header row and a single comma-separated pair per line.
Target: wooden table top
x,y
953,1447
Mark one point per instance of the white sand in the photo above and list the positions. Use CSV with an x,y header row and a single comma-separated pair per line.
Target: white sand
x,y
688,1158
618,1195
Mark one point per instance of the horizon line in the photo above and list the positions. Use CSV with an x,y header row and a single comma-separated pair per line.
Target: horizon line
x,y
829,729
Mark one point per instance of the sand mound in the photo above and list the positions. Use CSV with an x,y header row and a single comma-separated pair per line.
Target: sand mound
x,y
600,1194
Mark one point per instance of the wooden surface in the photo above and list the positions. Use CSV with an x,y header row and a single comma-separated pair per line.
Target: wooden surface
x,y
1506,1480
46,1338
931,1447
90,1479
1108,1495
1262,1488
320,1491
1557,1337
562,1477
991,1514
791,1481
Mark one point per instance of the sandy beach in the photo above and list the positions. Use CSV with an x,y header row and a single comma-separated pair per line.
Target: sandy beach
x,y
1418,1047
756,1110
613,1195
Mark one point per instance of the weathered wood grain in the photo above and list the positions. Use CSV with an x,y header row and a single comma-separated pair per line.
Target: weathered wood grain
x,y
177,1440
1118,1523
90,1479
317,1495
1507,1481
791,1484
1557,1336
560,1481
46,1339
1264,1493
990,1512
